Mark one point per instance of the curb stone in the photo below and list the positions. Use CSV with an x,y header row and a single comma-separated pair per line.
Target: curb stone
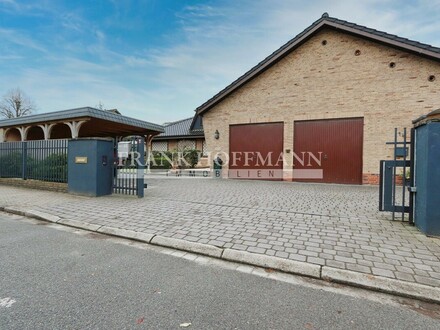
x,y
384,284
135,235
285,265
79,224
14,210
372,282
42,216
205,249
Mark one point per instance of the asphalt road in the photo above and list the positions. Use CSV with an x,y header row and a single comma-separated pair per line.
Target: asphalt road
x,y
65,279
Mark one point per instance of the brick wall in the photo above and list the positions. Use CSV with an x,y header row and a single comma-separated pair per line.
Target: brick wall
x,y
329,81
34,184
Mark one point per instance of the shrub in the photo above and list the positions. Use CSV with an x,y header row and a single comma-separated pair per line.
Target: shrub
x,y
51,168
11,165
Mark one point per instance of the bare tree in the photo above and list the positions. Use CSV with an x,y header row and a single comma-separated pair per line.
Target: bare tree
x,y
16,103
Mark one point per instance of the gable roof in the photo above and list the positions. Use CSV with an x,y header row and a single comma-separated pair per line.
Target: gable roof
x,y
100,123
324,22
180,129
86,112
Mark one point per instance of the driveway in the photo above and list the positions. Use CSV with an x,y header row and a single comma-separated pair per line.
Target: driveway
x,y
330,225
312,199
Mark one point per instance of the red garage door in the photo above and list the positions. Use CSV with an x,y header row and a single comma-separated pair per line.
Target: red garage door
x,y
255,151
332,148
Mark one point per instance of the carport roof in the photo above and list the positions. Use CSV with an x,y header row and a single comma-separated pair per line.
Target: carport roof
x,y
101,116
324,22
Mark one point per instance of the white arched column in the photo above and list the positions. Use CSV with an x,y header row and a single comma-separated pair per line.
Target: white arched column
x,y
75,127
47,128
2,135
23,132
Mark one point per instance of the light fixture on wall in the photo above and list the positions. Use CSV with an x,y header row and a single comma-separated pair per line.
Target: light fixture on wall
x,y
216,134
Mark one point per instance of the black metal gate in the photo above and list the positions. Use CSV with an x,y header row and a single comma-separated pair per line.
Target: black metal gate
x,y
129,167
395,192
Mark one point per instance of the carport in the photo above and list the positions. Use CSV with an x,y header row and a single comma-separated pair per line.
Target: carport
x,y
75,123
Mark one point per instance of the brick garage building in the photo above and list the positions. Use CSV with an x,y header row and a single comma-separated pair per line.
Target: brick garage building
x,y
337,88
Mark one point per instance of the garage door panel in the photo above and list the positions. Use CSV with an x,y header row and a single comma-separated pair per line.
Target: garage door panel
x,y
255,147
340,143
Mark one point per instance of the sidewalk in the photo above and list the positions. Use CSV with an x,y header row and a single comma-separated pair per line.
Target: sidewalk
x,y
331,232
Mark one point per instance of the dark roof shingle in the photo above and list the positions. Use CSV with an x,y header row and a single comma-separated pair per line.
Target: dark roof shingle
x,y
180,129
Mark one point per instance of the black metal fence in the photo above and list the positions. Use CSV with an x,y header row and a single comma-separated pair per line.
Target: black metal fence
x,y
129,168
394,188
44,160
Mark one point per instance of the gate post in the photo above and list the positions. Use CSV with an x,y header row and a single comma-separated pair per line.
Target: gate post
x,y
427,174
90,170
140,167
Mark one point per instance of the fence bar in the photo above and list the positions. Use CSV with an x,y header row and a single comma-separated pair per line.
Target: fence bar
x,y
404,174
394,176
24,160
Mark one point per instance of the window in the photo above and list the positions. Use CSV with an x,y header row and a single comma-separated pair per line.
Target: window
x,y
159,146
205,150
186,144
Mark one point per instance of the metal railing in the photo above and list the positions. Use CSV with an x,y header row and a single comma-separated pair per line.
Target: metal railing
x,y
44,160
128,176
394,187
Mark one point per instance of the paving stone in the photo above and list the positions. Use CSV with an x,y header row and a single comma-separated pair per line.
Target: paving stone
x,y
308,253
364,252
264,246
344,254
294,256
384,266
250,243
383,272
404,276
329,251
314,260
256,250
358,268
420,272
427,280
326,256
373,258
403,253
335,264
345,259
282,254
216,243
423,267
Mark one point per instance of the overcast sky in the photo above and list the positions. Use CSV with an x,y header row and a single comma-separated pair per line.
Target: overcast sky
x,y
157,60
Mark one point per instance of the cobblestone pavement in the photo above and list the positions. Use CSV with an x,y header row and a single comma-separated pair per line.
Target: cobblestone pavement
x,y
333,225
